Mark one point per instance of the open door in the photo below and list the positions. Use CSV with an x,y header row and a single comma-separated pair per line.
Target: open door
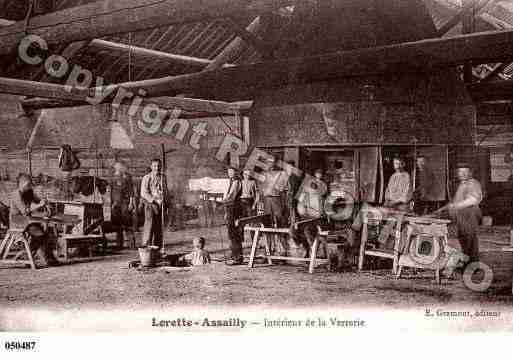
x,y
368,171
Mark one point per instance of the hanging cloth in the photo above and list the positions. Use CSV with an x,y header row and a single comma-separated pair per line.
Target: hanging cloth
x,y
68,161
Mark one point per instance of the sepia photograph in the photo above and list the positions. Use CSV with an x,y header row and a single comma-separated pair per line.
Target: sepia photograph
x,y
255,166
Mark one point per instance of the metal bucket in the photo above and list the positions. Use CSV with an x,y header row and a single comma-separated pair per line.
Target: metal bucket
x,y
148,256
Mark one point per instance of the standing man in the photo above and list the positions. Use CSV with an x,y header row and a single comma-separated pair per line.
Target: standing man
x,y
250,195
231,201
153,189
273,188
465,210
293,184
122,201
399,192
424,183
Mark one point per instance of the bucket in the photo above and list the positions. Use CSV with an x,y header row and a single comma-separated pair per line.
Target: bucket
x,y
148,255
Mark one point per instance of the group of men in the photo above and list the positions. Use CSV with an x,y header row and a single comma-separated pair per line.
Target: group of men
x,y
25,204
124,203
277,189
243,195
463,209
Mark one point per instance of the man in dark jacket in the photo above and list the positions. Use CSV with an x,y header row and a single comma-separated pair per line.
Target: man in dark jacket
x,y
122,201
231,201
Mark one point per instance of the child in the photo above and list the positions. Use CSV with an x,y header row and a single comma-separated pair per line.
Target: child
x,y
198,256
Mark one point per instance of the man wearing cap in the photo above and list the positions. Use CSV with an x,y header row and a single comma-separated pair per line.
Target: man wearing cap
x,y
231,201
398,193
465,210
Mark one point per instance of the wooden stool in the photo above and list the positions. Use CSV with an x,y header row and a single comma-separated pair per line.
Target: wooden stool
x,y
369,219
13,237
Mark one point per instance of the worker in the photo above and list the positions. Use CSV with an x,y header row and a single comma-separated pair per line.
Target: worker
x,y
293,185
122,201
153,188
464,209
250,195
273,189
231,201
399,190
424,187
21,212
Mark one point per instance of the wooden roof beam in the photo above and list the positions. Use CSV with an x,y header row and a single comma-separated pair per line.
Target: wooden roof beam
x,y
421,55
416,56
102,18
141,54
235,46
170,103
473,6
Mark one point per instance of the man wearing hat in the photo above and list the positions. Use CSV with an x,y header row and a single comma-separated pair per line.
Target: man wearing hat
x,y
464,208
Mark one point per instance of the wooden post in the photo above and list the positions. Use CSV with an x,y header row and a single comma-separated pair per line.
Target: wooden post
x,y
29,160
164,190
468,27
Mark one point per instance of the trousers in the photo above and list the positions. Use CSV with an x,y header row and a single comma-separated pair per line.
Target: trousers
x,y
467,225
234,233
152,231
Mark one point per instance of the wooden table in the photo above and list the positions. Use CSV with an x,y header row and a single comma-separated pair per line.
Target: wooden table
x,y
87,213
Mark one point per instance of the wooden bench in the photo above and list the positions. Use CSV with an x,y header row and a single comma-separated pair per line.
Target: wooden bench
x,y
89,241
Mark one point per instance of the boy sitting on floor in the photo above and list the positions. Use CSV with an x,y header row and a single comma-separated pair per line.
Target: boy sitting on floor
x,y
199,256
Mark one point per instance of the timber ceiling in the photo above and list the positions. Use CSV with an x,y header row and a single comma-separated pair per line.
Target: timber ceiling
x,y
204,41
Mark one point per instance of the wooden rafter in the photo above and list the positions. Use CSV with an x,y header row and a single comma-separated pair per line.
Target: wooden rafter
x,y
412,56
235,46
142,55
249,36
166,102
102,18
473,6
418,56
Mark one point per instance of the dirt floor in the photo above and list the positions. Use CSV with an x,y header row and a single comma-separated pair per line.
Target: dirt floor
x,y
107,282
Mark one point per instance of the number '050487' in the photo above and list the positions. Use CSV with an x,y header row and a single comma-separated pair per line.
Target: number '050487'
x,y
20,345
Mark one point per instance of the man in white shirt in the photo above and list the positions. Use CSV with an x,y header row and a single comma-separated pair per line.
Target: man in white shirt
x,y
153,188
399,190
